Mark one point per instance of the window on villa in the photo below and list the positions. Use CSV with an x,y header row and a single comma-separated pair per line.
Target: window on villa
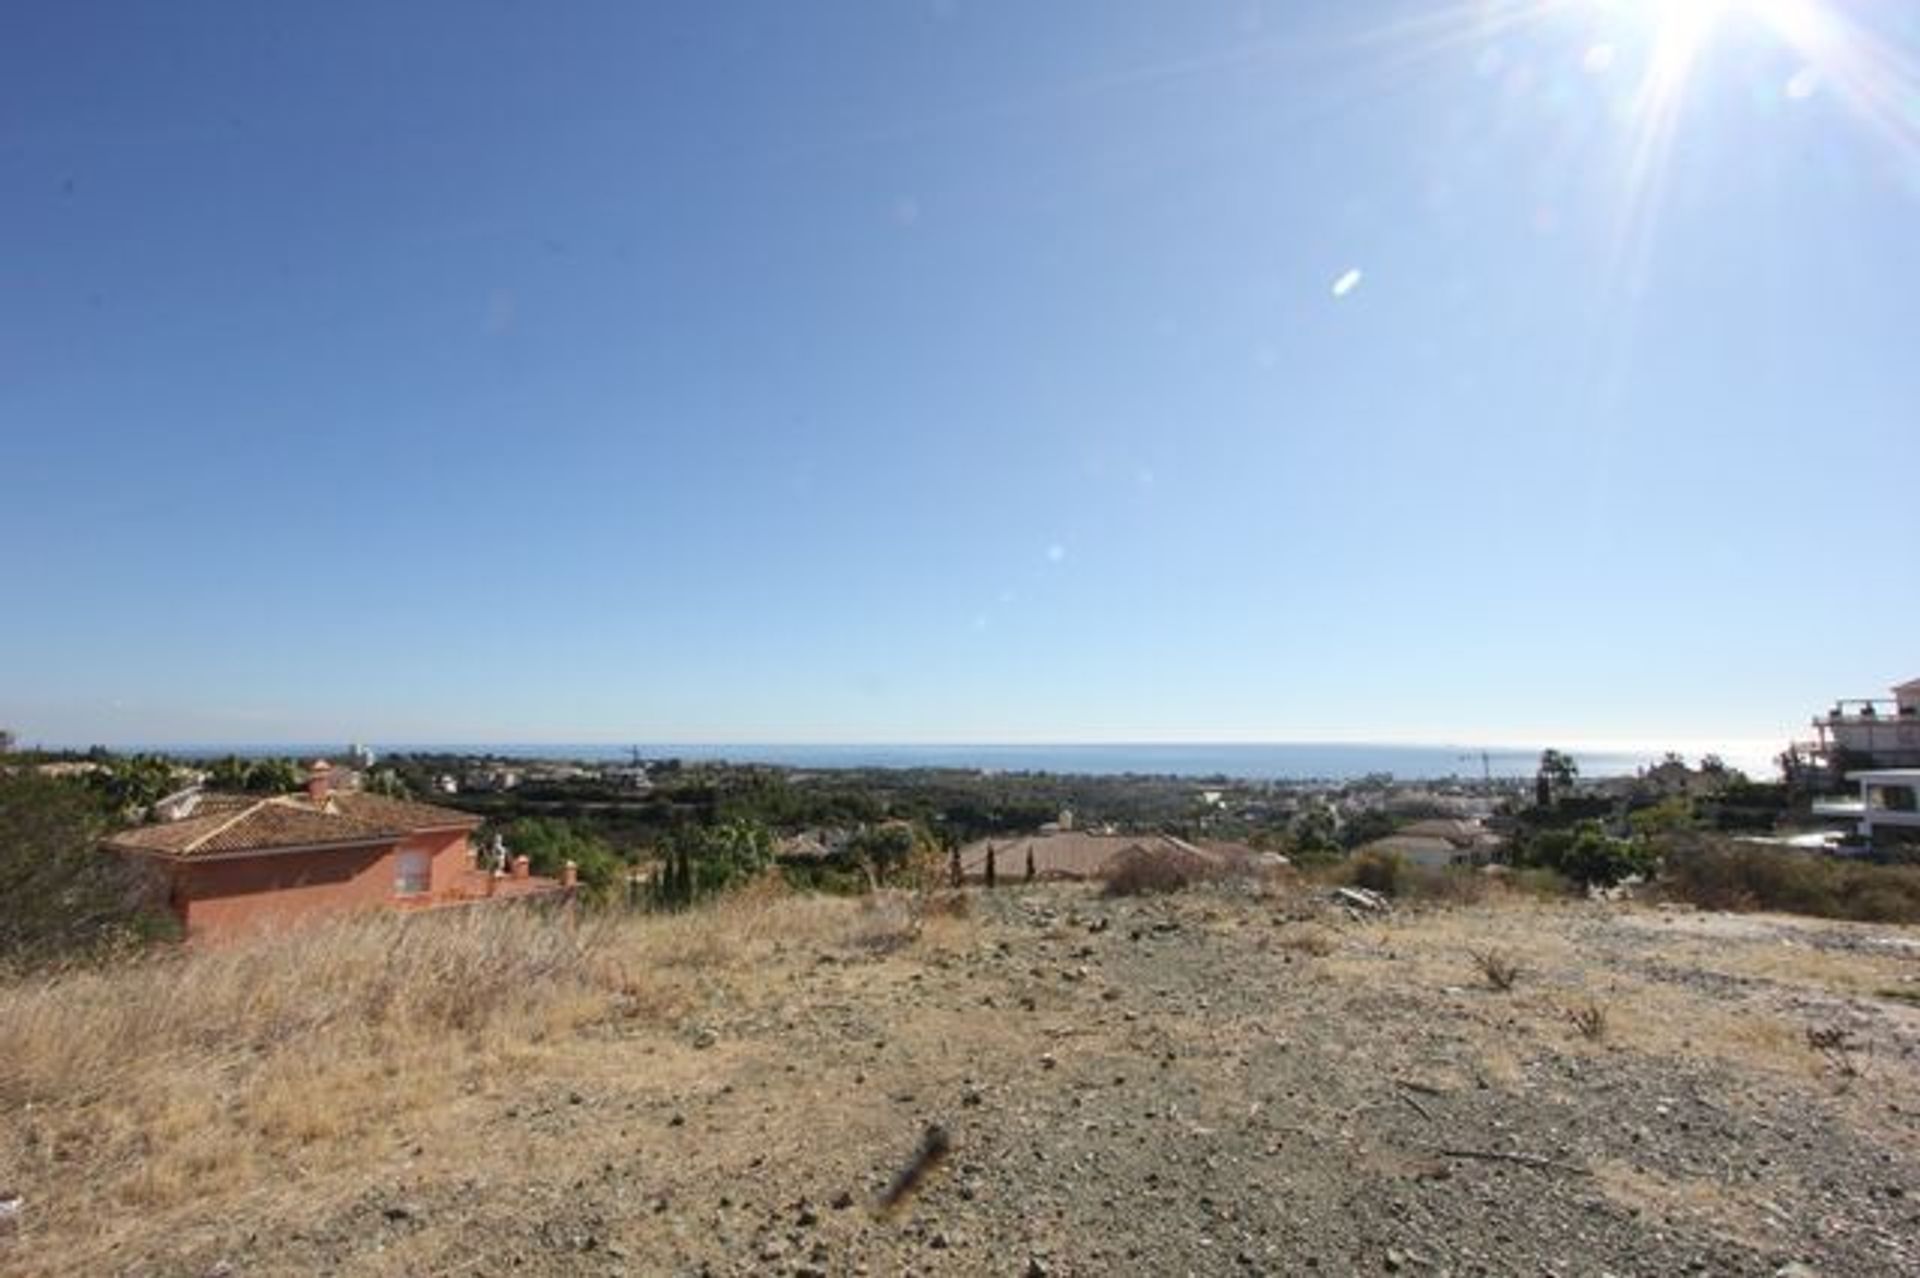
x,y
1891,798
412,874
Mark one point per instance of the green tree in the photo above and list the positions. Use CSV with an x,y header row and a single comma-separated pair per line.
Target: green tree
x,y
62,893
387,783
549,843
272,776
130,785
1314,835
229,773
1587,855
883,850
1556,774
1665,817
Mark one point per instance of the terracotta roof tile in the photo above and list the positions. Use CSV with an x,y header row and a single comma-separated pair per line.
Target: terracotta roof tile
x,y
237,823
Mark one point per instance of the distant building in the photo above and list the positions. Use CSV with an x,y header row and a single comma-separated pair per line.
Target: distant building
x,y
1069,854
1438,842
1860,733
1672,778
1886,813
237,863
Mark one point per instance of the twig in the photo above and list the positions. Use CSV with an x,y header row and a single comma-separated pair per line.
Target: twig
x,y
1418,1108
935,1145
1524,1160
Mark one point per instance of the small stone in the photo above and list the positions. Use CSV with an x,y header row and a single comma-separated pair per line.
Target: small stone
x,y
1396,1260
705,1038
401,1211
842,1201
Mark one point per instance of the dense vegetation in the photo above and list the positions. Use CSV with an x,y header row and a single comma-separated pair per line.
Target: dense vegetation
x,y
62,897
1719,874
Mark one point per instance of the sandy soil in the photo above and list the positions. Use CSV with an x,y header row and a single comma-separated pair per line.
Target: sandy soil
x,y
1229,1081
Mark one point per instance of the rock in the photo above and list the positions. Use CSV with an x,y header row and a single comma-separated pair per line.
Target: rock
x,y
1396,1260
401,1211
842,1200
806,1217
704,1038
1037,1268
1363,898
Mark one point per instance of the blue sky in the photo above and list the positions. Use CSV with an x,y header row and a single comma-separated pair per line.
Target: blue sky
x,y
955,371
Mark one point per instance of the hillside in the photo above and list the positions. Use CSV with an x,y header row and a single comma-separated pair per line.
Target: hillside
x,y
1231,1080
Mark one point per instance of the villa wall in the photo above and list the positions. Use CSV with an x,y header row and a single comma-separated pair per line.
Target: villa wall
x,y
229,897
218,898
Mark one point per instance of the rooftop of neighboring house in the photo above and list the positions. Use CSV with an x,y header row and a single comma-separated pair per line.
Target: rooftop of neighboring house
x,y
1080,855
229,823
1418,848
1459,832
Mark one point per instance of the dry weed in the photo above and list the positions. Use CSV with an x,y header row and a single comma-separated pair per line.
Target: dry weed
x,y
1500,969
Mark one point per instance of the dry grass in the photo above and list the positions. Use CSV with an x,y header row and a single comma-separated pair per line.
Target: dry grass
x,y
141,1092
1313,939
1500,970
1590,1018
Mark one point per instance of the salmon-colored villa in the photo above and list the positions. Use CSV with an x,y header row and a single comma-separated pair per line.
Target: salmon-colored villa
x,y
238,863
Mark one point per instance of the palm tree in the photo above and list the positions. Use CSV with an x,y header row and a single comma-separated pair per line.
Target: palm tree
x,y
1557,772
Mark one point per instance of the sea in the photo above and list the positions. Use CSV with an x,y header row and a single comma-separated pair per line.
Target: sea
x,y
1276,761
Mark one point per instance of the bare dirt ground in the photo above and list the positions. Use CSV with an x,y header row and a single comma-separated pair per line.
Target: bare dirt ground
x,y
1225,1081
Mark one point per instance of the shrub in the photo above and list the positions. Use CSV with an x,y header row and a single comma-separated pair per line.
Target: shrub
x,y
1501,970
1381,872
549,843
1590,1018
1720,875
1586,854
1393,875
1540,882
60,894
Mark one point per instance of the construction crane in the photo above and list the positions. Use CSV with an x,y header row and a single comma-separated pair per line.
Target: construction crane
x,y
1486,764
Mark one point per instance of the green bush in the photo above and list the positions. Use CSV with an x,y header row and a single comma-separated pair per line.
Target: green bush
x,y
1721,875
61,894
1586,854
549,843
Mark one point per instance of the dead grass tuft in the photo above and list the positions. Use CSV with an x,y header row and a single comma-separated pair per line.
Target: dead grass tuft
x,y
1308,938
1500,969
1590,1018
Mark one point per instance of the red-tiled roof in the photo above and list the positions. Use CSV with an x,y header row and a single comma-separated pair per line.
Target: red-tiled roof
x,y
237,823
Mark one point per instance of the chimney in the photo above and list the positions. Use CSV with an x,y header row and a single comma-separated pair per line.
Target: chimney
x,y
319,781
569,875
522,867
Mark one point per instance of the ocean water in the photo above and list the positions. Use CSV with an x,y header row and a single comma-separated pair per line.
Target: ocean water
x,y
1273,761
